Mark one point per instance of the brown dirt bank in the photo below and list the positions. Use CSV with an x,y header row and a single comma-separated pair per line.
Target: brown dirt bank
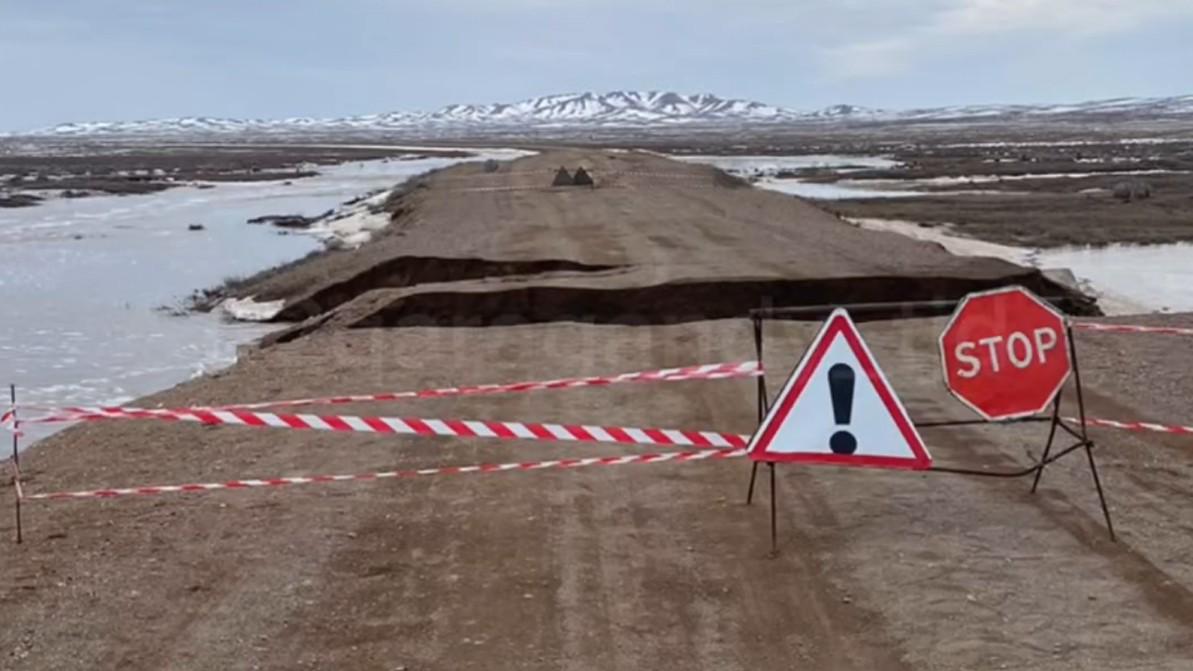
x,y
1041,211
626,297
654,232
1040,220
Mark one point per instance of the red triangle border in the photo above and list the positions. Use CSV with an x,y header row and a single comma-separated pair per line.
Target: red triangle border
x,y
839,324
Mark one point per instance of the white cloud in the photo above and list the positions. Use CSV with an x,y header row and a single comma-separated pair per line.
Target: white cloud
x,y
961,25
1069,17
878,58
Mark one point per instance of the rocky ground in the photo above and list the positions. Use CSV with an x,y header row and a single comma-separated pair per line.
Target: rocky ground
x,y
497,277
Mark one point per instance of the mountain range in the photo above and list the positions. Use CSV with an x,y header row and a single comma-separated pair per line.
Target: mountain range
x,y
621,109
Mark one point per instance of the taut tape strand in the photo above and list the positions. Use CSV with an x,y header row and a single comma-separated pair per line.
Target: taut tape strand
x,y
1128,328
413,426
714,371
556,464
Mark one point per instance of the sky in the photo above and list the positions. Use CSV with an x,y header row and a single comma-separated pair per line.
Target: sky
x,y
87,60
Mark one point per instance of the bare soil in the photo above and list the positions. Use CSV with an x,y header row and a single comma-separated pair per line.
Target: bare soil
x,y
652,566
1044,211
656,241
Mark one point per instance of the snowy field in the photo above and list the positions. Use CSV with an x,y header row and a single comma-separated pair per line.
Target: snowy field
x,y
81,279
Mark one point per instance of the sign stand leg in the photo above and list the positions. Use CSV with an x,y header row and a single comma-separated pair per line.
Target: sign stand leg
x,y
1048,446
774,526
761,400
1089,444
1093,469
16,460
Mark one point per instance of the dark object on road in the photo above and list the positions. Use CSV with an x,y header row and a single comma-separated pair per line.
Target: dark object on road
x,y
289,220
196,227
582,178
284,220
19,200
1133,190
491,165
563,178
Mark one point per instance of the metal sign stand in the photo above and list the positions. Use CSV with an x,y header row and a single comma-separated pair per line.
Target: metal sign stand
x,y
912,309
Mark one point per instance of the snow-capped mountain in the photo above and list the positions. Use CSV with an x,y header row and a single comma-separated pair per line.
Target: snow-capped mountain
x,y
630,108
618,106
617,109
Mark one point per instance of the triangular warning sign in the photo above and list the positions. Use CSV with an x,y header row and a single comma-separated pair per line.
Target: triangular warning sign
x,y
837,408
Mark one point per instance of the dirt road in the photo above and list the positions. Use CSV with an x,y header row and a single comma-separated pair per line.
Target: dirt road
x,y
649,566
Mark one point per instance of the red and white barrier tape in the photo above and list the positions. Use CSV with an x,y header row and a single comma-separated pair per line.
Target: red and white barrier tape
x,y
712,371
1127,328
695,455
1134,426
424,427
8,422
475,428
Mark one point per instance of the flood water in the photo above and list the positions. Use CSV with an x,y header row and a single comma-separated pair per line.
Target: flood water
x,y
1158,278
1130,278
82,280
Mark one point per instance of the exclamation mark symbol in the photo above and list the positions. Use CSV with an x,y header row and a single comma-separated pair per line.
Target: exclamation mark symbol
x,y
840,387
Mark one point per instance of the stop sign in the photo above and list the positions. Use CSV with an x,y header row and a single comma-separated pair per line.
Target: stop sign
x,y
1005,353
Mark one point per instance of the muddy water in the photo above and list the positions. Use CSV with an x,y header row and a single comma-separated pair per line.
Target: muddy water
x,y
81,280
1128,278
1156,277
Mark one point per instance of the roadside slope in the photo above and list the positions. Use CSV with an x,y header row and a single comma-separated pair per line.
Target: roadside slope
x,y
653,219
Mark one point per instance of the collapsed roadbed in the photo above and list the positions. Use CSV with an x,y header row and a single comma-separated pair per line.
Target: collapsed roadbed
x,y
655,242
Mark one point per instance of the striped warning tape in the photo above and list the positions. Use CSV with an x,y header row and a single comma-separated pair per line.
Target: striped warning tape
x,y
411,426
695,455
712,371
1128,328
1134,426
9,422
472,428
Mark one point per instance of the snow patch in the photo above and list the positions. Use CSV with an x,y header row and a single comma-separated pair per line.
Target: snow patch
x,y
249,310
353,226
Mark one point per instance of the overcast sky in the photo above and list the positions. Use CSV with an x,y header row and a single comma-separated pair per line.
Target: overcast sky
x,y
74,60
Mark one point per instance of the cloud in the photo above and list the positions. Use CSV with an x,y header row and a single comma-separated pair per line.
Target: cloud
x,y
961,26
878,58
1067,17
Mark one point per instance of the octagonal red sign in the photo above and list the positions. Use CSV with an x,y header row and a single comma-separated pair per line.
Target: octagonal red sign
x,y
1005,353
